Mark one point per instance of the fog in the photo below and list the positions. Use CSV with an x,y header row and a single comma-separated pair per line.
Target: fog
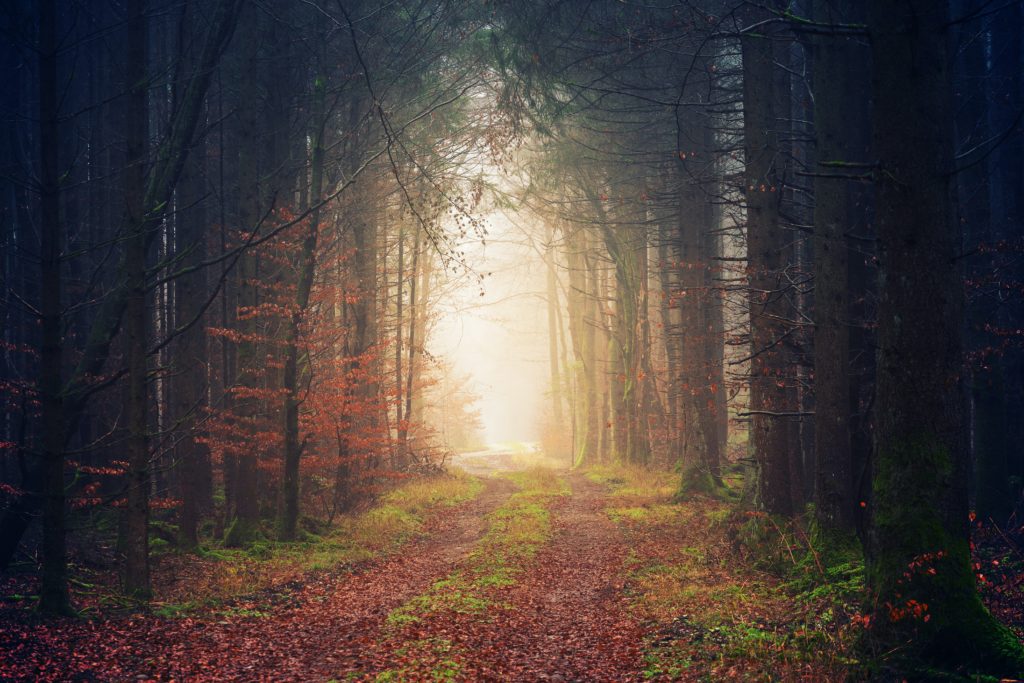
x,y
496,330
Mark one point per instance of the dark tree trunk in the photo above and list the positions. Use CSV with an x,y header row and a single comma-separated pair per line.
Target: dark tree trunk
x,y
250,370
53,593
189,385
765,244
840,92
136,510
307,269
697,342
919,511
989,446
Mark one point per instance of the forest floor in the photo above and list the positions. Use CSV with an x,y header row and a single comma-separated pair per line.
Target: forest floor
x,y
531,575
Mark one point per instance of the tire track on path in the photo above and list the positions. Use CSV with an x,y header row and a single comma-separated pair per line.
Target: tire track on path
x,y
325,627
564,619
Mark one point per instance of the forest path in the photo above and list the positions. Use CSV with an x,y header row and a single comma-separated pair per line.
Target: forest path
x,y
523,583
326,625
563,617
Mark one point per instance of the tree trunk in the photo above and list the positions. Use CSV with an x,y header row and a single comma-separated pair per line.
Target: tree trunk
x,y
399,375
53,593
416,320
765,243
248,363
557,419
307,269
414,406
189,383
919,515
136,567
839,89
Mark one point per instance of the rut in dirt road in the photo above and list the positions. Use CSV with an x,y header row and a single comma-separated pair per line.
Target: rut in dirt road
x,y
565,617
570,617
325,627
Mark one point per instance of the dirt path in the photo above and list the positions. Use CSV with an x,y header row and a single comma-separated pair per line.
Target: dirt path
x,y
569,620
324,628
564,619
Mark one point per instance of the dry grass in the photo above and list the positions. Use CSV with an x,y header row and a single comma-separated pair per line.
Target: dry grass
x,y
642,486
419,495
539,480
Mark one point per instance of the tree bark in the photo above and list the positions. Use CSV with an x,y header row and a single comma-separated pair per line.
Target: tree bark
x,y
552,304
919,513
307,269
840,89
136,510
53,593
417,319
765,241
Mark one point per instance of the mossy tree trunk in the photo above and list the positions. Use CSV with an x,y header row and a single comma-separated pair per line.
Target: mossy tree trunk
x,y
918,551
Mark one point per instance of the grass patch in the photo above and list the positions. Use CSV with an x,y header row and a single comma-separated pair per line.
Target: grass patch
x,y
654,514
718,611
452,594
636,483
173,610
221,572
538,481
421,495
431,659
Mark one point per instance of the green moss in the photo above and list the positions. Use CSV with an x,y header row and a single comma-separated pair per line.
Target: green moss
x,y
241,534
260,550
174,610
698,480
158,546
920,575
